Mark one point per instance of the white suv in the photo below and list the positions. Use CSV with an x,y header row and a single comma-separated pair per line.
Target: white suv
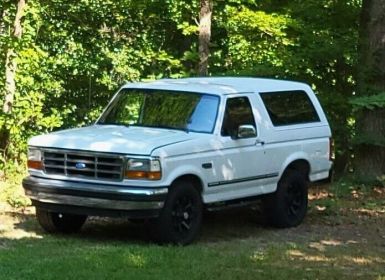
x,y
165,150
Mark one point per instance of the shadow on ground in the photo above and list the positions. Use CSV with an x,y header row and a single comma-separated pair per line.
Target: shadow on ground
x,y
354,221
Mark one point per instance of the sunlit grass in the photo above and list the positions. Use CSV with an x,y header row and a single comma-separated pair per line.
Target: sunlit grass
x,y
43,256
341,238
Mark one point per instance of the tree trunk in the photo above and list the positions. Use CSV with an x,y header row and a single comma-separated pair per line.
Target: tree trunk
x,y
206,7
10,72
370,124
10,63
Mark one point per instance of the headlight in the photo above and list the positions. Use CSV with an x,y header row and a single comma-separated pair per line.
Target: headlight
x,y
148,169
34,159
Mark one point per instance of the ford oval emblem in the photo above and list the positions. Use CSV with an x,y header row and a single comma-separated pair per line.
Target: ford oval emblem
x,y
80,165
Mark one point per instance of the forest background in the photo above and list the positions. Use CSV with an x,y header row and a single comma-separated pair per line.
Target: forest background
x,y
62,60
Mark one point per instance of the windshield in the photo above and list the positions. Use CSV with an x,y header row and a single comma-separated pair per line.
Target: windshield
x,y
164,109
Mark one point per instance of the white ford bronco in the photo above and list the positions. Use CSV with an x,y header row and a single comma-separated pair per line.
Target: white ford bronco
x,y
166,150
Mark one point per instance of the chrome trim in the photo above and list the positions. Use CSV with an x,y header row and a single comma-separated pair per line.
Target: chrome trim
x,y
62,165
124,157
80,152
103,196
93,202
241,180
94,187
136,182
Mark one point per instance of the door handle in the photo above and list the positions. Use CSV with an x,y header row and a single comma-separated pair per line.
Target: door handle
x,y
259,143
207,165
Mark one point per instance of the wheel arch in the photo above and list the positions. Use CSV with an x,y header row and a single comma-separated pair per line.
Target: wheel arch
x,y
301,165
193,178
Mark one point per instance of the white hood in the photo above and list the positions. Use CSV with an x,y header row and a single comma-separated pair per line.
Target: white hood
x,y
111,138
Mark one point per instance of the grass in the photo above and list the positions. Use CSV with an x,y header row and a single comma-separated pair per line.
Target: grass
x,y
69,258
342,238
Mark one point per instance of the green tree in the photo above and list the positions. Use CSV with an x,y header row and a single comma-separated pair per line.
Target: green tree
x,y
73,55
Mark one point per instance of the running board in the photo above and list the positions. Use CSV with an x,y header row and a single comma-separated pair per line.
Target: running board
x,y
235,203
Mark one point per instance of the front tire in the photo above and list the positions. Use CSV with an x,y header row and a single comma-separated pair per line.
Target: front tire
x,y
54,222
287,207
181,218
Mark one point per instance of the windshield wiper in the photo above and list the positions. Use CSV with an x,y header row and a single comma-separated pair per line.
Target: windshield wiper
x,y
172,127
112,123
163,126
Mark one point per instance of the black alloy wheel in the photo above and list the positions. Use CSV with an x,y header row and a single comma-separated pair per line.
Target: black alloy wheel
x,y
181,217
287,206
294,199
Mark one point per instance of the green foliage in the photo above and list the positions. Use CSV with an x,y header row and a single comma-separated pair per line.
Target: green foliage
x,y
301,40
381,179
362,105
73,55
30,113
368,139
257,41
70,63
10,189
369,102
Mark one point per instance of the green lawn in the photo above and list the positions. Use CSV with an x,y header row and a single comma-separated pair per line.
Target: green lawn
x,y
340,239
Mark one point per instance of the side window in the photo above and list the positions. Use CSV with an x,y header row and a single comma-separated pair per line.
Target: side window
x,y
238,112
289,107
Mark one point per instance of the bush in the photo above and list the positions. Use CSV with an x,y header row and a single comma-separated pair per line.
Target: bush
x,y
11,190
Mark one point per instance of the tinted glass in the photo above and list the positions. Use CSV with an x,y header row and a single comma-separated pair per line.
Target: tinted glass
x,y
204,115
289,107
163,109
238,112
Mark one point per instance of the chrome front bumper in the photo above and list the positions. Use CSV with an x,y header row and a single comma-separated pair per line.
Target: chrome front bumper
x,y
67,194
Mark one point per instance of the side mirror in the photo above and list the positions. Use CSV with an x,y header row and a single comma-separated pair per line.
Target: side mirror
x,y
245,131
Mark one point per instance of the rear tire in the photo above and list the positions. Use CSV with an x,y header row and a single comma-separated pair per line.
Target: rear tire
x,y
181,218
54,222
287,207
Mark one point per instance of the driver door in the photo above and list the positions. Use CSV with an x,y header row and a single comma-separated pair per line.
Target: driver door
x,y
240,164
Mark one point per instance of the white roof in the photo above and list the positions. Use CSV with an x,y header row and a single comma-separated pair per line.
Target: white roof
x,y
221,85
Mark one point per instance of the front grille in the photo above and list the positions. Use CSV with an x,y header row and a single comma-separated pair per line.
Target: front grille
x,y
83,165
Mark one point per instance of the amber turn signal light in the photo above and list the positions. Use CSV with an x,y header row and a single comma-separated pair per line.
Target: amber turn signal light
x,y
143,175
34,164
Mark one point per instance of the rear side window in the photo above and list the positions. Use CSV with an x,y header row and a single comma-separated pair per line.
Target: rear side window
x,y
289,107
